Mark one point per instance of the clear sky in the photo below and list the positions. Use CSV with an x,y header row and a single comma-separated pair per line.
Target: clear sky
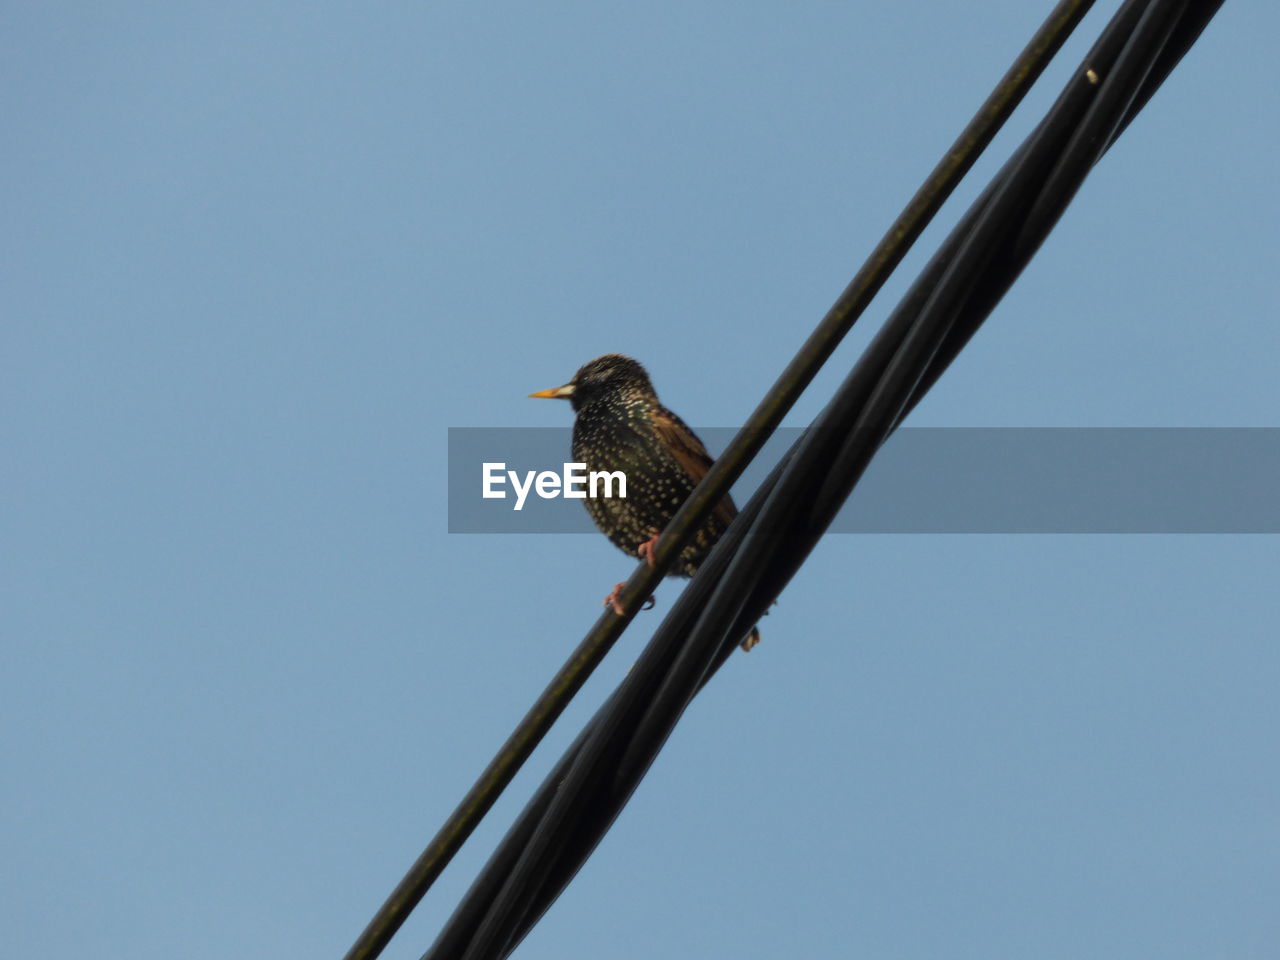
x,y
258,257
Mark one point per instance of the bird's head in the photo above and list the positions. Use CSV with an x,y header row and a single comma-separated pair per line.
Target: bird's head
x,y
608,377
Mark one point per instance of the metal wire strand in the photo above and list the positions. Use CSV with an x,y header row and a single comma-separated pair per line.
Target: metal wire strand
x,y
576,804
958,159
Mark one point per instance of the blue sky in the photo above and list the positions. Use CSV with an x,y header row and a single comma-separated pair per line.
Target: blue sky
x,y
259,257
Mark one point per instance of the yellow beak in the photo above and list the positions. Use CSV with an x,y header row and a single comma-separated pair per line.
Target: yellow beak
x,y
555,393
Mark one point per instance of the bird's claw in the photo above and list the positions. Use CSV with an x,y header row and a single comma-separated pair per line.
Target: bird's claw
x,y
614,600
645,550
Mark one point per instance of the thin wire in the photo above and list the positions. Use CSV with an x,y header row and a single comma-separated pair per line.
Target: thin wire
x,y
573,808
904,231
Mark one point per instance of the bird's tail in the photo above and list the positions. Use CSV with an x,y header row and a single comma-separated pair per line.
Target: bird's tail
x,y
750,640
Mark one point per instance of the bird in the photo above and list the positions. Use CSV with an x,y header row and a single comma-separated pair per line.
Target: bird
x,y
622,426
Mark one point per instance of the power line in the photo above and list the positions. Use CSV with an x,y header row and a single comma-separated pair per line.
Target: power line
x,y
777,529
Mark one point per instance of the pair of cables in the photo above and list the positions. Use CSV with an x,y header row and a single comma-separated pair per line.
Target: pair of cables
x,y
782,522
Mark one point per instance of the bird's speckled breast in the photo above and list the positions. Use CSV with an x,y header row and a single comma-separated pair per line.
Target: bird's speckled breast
x,y
619,436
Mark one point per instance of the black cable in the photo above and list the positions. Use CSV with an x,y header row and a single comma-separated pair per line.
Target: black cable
x,y
571,811
958,159
1075,98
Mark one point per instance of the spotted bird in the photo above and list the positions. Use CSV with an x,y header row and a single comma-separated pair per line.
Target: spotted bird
x,y
621,425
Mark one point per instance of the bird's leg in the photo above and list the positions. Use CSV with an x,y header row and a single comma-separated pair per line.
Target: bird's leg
x,y
645,550
614,599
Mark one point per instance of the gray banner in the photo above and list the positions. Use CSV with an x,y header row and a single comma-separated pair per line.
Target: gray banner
x,y
932,480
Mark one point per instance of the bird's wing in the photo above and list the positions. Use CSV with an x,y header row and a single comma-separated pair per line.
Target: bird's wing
x,y
684,445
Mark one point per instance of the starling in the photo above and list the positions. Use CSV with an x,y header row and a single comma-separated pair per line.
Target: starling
x,y
621,425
